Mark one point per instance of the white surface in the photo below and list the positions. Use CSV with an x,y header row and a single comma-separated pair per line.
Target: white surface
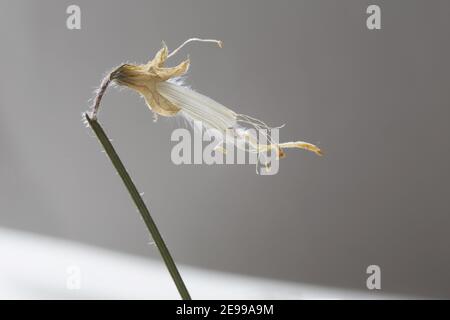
x,y
38,267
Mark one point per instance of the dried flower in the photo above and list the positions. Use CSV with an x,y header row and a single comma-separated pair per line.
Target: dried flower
x,y
166,95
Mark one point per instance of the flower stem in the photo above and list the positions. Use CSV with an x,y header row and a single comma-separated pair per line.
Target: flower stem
x,y
137,199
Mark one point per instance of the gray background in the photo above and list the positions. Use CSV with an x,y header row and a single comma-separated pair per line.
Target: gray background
x,y
377,102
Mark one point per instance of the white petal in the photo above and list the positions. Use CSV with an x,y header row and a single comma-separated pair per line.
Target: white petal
x,y
198,107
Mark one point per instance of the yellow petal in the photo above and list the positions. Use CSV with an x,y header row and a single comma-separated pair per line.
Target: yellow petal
x,y
160,57
158,103
167,73
302,145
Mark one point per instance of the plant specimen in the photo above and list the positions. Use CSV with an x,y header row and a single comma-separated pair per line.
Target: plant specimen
x,y
166,95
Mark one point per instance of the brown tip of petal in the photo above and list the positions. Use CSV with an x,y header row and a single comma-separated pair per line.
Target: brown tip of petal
x,y
220,43
314,149
281,153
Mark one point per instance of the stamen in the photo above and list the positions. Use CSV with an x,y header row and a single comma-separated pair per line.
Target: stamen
x,y
219,43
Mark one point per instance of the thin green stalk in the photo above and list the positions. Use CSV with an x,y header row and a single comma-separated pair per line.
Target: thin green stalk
x,y
170,264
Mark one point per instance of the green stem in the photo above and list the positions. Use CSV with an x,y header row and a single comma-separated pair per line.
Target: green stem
x,y
170,264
